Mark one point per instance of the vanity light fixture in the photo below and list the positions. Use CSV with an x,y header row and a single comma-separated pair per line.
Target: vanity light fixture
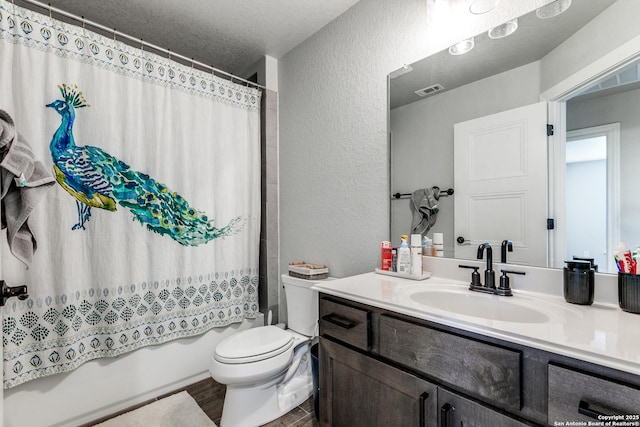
x,y
462,47
503,30
553,9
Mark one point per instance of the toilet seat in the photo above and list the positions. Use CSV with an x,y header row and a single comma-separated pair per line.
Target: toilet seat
x,y
253,345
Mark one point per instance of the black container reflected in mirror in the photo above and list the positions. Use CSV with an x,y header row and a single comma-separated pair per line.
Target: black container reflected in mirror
x,y
579,278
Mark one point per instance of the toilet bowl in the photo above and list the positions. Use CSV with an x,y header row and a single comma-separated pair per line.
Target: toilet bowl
x,y
267,370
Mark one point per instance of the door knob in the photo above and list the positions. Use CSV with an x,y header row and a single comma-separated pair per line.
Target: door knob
x,y
7,292
462,241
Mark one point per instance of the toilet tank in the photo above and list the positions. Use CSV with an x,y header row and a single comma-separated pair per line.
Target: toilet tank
x,y
302,304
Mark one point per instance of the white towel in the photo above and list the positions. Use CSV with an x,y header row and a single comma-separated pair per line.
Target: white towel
x,y
23,183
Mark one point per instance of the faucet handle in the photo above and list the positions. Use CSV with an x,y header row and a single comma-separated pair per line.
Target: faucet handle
x,y
504,288
475,276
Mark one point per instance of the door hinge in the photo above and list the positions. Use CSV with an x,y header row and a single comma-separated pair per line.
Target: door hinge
x,y
551,224
549,130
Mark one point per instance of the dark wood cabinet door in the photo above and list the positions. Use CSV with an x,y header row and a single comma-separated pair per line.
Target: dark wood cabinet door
x,y
455,410
357,390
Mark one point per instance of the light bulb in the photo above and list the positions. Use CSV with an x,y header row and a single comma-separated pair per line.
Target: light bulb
x,y
503,30
553,9
462,47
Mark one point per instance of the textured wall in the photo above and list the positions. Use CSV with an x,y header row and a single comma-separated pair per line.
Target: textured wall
x,y
334,167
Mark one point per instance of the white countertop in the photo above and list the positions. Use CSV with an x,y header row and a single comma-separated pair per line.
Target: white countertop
x,y
599,333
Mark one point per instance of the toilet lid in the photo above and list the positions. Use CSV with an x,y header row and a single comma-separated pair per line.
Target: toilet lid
x,y
253,345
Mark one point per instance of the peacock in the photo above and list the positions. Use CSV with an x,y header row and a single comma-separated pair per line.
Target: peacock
x,y
98,179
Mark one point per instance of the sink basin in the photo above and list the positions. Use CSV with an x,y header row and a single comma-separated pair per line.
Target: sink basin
x,y
479,305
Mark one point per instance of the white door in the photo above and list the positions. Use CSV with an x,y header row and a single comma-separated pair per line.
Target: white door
x,y
500,175
592,194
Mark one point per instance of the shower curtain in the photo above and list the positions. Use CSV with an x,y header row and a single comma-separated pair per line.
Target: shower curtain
x,y
151,232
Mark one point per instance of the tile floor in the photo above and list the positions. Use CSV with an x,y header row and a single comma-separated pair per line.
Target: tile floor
x,y
210,396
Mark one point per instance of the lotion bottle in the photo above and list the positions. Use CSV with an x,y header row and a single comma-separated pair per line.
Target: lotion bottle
x,y
404,256
416,254
427,248
438,244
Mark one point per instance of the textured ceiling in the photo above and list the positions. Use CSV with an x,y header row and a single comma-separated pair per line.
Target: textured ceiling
x,y
231,35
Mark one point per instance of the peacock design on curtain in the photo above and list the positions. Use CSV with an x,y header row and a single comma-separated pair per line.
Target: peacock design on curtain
x,y
97,179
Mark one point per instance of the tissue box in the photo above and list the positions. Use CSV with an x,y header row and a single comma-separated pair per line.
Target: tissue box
x,y
307,271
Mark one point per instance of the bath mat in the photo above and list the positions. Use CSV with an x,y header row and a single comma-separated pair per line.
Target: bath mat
x,y
177,410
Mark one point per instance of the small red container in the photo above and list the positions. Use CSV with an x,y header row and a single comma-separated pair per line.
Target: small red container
x,y
386,256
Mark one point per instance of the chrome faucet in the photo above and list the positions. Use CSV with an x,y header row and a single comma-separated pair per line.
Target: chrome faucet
x,y
489,274
507,245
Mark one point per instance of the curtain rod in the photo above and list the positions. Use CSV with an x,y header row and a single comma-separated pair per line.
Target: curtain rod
x,y
116,33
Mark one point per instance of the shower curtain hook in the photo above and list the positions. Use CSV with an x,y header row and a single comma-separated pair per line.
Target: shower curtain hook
x,y
192,63
142,45
83,23
169,54
49,9
114,34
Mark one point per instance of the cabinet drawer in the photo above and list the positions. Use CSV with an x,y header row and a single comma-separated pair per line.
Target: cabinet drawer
x,y
345,323
482,370
455,410
578,396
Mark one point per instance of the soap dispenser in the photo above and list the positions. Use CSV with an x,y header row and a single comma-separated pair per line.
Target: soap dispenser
x,y
404,256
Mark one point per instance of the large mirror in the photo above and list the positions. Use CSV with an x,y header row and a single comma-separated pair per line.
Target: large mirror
x,y
476,123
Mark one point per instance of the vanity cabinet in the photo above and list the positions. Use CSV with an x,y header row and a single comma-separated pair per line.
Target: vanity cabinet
x,y
382,368
360,389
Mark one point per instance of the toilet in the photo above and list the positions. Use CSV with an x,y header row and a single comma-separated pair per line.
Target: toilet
x,y
267,370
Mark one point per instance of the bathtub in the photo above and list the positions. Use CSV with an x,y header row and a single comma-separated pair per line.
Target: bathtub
x,y
104,386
